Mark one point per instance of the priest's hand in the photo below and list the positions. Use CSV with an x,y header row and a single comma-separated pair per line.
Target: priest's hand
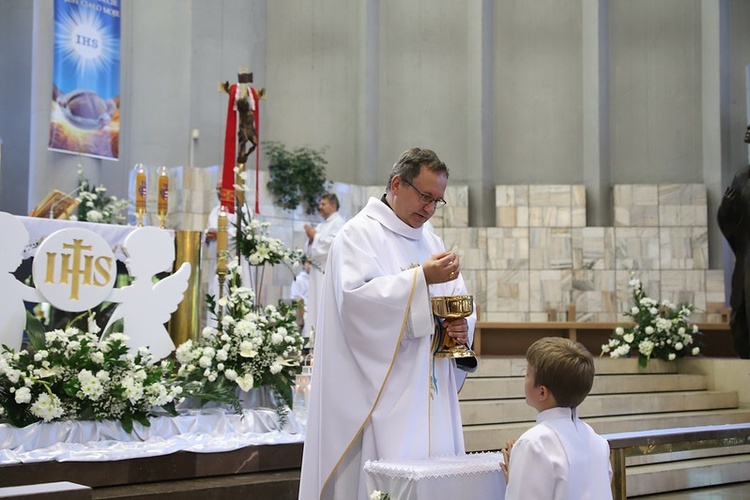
x,y
441,267
457,328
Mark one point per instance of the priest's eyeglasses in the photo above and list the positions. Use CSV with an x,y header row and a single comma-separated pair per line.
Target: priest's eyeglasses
x,y
425,199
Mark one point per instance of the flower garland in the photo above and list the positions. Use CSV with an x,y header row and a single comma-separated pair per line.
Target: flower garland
x,y
68,373
660,330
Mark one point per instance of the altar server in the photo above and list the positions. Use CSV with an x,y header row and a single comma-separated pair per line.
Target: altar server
x,y
561,457
377,390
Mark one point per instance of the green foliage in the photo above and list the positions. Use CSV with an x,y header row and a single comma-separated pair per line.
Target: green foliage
x,y
296,177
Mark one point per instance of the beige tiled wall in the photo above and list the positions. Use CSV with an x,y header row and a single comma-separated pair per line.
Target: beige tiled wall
x,y
541,256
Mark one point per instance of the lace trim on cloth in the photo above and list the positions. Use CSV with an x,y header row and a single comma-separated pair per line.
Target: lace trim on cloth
x,y
436,467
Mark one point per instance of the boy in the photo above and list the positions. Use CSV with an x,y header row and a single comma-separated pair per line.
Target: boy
x,y
561,457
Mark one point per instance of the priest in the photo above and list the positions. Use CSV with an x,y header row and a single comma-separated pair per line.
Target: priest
x,y
377,390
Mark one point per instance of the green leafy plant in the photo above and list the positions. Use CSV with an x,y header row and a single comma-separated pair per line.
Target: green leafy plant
x,y
296,176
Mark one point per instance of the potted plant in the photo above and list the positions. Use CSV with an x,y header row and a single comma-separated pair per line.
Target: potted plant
x,y
296,176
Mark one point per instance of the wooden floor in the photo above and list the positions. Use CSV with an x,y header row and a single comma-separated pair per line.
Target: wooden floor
x,y
739,491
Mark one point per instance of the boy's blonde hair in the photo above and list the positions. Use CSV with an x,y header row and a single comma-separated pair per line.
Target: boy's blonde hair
x,y
565,367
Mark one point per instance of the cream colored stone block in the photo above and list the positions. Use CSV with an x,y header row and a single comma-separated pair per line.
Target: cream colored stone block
x,y
683,247
508,248
637,248
593,247
636,205
684,287
507,291
550,248
512,206
549,289
594,293
469,243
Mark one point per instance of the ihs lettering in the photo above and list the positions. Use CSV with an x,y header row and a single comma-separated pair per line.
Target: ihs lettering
x,y
78,268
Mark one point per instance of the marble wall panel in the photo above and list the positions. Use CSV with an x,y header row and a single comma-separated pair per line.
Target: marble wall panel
x,y
683,247
637,248
594,293
636,205
578,205
682,205
550,248
476,284
684,287
470,243
456,212
507,291
508,248
593,247
512,206
550,290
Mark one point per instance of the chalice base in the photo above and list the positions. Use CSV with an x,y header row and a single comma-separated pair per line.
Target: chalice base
x,y
458,351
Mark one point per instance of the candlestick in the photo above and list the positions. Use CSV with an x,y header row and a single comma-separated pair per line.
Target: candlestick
x,y
140,192
221,249
163,200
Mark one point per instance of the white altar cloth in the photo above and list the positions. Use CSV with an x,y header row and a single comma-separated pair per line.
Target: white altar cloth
x,y
475,475
38,229
200,431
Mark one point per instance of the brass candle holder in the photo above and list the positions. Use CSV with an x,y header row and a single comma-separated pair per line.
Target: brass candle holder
x,y
448,307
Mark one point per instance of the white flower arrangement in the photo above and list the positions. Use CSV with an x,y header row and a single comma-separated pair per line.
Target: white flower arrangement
x,y
251,346
660,330
68,373
379,495
259,248
95,206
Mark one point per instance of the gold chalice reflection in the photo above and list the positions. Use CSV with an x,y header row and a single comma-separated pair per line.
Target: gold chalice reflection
x,y
448,307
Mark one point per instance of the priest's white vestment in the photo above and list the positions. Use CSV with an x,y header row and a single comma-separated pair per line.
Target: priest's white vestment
x,y
560,458
377,391
317,252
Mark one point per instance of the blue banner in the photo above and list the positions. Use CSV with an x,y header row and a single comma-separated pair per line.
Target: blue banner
x,y
85,116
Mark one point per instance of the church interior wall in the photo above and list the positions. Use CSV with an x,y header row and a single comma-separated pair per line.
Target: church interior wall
x,y
500,98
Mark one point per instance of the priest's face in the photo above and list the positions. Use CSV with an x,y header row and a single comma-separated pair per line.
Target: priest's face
x,y
414,202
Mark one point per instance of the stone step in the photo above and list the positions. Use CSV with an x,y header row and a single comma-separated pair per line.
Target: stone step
x,y
516,410
490,366
675,476
277,485
492,436
512,387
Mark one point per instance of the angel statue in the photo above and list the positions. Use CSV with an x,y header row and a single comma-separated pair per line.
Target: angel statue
x,y
144,306
13,293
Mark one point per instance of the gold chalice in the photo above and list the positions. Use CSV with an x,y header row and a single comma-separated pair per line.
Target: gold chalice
x,y
452,306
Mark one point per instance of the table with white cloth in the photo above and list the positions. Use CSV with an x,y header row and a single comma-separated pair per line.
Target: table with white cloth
x,y
475,475
39,229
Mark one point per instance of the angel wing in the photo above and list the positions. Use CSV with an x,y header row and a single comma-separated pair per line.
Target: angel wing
x,y
168,293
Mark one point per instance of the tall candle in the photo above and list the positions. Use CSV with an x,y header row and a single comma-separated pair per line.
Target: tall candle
x,y
140,189
163,202
221,242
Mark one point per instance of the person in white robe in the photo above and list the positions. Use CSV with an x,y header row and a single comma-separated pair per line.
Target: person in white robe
x,y
562,457
300,290
317,246
377,390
